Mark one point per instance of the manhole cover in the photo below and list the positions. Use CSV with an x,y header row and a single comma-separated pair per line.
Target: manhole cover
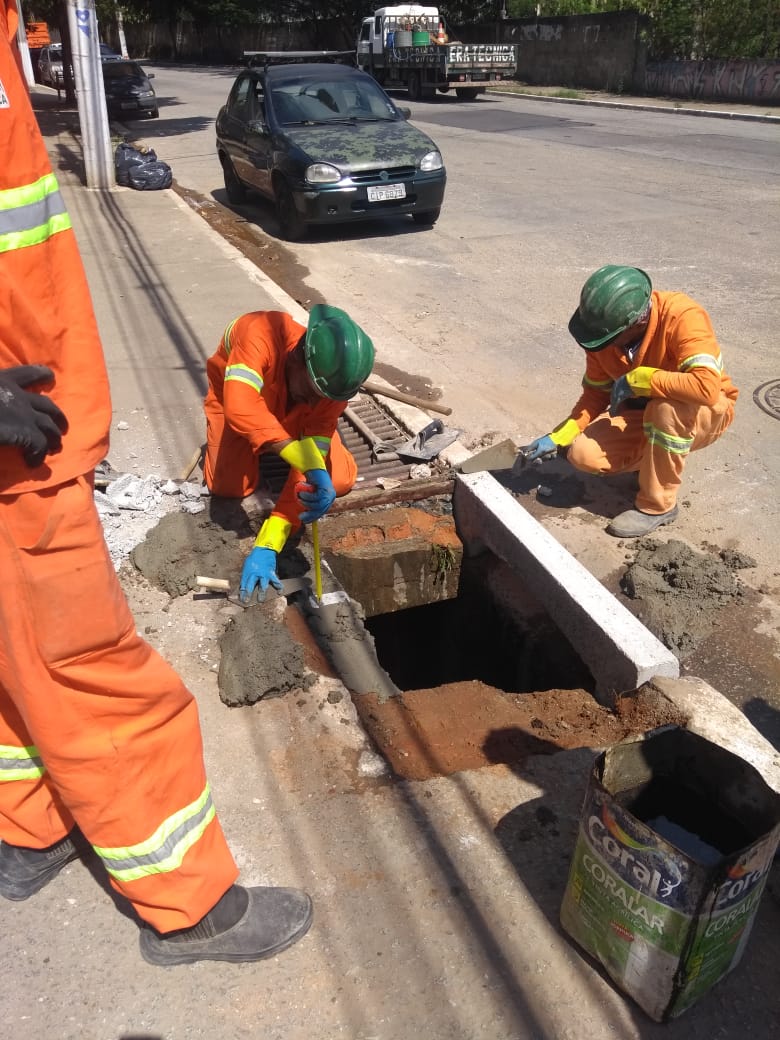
x,y
767,397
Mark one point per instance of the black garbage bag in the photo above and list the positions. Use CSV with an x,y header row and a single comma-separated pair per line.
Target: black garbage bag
x,y
141,169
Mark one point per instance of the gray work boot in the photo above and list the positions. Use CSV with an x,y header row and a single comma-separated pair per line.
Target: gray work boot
x,y
634,523
23,872
247,924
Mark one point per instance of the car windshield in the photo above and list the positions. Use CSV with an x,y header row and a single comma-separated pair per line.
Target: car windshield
x,y
123,70
329,100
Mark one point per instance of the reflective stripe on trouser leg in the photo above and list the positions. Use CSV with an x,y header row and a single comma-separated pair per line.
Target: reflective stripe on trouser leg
x,y
115,727
672,430
31,811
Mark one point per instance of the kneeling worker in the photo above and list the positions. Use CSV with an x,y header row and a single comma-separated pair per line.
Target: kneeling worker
x,y
654,390
277,386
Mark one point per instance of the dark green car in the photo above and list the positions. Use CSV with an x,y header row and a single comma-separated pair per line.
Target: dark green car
x,y
327,145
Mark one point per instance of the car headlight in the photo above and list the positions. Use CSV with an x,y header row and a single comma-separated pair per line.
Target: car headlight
x,y
322,173
430,162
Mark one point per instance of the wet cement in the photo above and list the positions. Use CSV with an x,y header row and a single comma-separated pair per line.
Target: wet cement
x,y
679,592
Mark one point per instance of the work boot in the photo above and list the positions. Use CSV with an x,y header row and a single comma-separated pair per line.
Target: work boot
x,y
634,523
247,924
23,872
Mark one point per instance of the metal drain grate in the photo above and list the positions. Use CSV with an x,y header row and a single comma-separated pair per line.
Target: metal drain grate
x,y
363,425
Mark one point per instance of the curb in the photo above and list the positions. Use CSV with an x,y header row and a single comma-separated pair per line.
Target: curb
x,y
634,106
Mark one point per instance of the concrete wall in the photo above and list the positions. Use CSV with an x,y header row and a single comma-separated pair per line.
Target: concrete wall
x,y
729,80
600,52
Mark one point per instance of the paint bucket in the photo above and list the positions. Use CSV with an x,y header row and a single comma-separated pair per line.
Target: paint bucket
x,y
675,844
420,39
403,38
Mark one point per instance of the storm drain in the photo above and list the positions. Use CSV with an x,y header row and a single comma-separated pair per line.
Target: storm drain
x,y
451,661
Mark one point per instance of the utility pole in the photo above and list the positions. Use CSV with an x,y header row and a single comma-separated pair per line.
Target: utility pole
x,y
90,94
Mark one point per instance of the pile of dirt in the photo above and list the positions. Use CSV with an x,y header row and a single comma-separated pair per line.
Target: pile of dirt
x,y
466,725
678,591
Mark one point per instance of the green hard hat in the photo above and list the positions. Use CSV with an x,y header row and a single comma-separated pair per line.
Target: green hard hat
x,y
613,299
339,355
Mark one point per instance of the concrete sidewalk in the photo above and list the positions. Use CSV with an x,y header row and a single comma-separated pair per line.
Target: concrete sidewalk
x,y
436,902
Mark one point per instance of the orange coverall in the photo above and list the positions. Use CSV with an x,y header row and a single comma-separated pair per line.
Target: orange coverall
x,y
95,728
691,403
247,409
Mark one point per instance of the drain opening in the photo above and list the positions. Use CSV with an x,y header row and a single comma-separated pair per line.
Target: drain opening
x,y
473,638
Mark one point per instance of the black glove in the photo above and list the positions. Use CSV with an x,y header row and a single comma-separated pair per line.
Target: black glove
x,y
29,420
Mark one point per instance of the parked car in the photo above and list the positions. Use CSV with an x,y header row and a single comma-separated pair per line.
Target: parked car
x,y
107,54
128,89
327,145
50,66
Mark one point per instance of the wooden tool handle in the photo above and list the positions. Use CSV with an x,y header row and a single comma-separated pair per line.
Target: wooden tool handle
x,y
397,395
222,584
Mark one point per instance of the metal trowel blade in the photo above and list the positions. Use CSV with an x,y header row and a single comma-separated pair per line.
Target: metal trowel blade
x,y
499,456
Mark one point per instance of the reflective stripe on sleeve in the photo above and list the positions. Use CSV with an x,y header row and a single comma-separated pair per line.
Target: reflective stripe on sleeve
x,y
166,848
31,214
702,361
226,336
598,384
244,374
20,763
323,443
667,441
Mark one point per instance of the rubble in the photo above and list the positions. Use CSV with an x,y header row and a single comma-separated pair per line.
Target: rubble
x,y
130,506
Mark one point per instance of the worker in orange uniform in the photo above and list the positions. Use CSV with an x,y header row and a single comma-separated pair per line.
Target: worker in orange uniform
x,y
275,386
654,390
99,738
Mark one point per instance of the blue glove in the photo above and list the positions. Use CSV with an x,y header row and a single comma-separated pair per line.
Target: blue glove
x,y
317,496
259,570
621,391
541,448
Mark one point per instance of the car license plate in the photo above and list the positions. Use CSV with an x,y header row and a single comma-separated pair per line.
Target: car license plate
x,y
385,192
129,104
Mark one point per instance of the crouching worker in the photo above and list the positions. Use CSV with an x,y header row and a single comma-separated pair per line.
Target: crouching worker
x,y
654,390
275,386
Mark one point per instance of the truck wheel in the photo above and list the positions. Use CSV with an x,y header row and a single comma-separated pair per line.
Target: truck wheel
x,y
414,86
428,218
466,93
445,89
292,227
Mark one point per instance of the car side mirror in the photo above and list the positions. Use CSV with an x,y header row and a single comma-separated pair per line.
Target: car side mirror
x,y
150,75
405,112
257,126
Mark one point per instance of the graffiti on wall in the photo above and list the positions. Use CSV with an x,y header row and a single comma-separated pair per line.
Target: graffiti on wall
x,y
736,79
538,31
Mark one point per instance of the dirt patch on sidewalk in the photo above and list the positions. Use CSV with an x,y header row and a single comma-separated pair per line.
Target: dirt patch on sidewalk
x,y
466,725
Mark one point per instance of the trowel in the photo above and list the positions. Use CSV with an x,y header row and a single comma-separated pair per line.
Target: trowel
x,y
503,455
289,587
429,442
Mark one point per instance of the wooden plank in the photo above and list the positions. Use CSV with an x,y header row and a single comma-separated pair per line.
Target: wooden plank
x,y
408,491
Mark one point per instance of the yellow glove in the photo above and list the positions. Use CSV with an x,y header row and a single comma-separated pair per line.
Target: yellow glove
x,y
303,455
564,433
639,380
273,534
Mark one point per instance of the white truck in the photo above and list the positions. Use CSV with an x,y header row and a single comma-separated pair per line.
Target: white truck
x,y
408,46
